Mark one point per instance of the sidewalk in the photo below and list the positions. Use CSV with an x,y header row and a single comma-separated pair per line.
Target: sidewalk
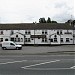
x,y
40,50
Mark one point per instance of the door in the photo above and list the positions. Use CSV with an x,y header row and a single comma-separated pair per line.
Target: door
x,y
12,46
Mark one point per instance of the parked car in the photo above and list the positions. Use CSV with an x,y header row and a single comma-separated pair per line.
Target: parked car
x,y
10,45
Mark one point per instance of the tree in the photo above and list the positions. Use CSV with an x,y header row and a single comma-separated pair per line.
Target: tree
x,y
42,20
73,22
54,21
48,20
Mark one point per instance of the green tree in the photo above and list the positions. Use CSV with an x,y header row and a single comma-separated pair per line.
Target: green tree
x,y
48,20
54,21
42,20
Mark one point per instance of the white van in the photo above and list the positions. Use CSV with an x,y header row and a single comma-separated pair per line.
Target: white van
x,y
10,45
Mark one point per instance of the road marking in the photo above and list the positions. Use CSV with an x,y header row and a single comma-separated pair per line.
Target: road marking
x,y
39,64
73,67
48,68
12,62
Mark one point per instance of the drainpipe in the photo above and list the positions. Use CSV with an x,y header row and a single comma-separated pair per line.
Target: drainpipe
x,y
34,38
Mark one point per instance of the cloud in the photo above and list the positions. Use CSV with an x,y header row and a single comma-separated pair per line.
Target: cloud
x,y
32,10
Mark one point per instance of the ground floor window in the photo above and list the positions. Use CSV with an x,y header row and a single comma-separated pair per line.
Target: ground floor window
x,y
67,40
61,39
44,39
1,39
17,39
27,40
55,39
51,40
6,39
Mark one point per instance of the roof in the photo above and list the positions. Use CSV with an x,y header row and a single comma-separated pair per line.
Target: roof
x,y
32,26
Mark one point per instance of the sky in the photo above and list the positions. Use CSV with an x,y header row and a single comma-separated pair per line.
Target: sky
x,y
29,11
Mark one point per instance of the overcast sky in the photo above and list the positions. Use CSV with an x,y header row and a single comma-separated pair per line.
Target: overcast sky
x,y
28,11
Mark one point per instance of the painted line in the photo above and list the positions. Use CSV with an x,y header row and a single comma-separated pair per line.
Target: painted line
x,y
12,62
73,67
49,68
40,64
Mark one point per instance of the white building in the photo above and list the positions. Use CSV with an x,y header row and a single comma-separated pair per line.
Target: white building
x,y
38,34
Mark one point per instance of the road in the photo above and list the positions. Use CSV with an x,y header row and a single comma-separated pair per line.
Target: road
x,y
37,65
38,49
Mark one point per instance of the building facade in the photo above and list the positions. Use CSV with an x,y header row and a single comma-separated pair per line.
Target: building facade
x,y
38,34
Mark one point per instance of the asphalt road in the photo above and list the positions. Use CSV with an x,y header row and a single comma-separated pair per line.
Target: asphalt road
x,y
38,49
37,65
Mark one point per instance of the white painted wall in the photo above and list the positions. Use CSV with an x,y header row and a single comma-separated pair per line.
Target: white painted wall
x,y
20,36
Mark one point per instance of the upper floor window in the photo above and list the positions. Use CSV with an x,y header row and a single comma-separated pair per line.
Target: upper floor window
x,y
1,39
16,35
12,32
58,33
44,31
1,32
27,32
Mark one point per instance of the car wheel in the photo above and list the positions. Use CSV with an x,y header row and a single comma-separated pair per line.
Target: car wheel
x,y
17,48
4,48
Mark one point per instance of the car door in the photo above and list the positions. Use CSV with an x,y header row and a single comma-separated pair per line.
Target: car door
x,y
12,46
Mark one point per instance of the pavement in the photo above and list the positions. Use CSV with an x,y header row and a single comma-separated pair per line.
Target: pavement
x,y
63,49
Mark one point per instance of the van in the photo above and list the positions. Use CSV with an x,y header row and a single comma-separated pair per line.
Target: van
x,y
10,45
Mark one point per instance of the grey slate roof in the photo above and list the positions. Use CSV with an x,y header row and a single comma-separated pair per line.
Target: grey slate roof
x,y
32,26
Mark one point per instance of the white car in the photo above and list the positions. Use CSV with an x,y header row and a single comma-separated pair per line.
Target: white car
x,y
10,45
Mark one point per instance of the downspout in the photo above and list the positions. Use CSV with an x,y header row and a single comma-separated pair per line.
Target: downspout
x,y
34,38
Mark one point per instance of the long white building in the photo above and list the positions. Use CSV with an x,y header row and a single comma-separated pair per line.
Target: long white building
x,y
38,34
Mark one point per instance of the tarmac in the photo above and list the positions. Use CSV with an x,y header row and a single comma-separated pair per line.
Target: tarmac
x,y
51,50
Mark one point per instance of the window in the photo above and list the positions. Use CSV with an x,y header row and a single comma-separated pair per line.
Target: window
x,y
51,40
27,39
17,39
21,40
12,44
1,39
44,39
44,31
1,32
6,39
12,39
67,40
57,32
27,32
55,39
60,31
12,32
16,35
55,36
61,39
